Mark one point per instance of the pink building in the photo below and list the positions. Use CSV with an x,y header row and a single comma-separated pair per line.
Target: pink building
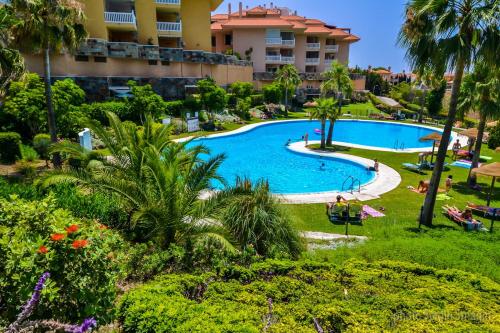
x,y
272,37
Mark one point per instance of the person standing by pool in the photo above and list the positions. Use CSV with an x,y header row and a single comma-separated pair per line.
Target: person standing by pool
x,y
449,183
306,138
456,148
375,166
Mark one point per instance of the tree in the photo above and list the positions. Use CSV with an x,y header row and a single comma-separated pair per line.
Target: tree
x,y
272,93
213,97
435,98
288,77
158,182
479,92
322,113
11,62
338,81
253,217
48,26
241,89
144,101
441,34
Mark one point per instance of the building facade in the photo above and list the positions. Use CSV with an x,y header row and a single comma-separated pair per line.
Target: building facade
x,y
271,37
166,43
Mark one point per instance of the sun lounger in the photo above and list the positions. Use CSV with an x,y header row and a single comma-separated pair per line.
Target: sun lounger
x,y
337,213
355,211
414,167
455,215
484,211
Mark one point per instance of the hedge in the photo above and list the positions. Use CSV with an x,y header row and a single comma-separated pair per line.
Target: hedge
x,y
9,147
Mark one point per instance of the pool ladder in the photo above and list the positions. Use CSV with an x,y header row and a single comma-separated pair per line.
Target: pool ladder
x,y
399,145
354,182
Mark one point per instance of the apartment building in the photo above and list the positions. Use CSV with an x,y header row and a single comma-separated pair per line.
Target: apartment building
x,y
162,42
271,37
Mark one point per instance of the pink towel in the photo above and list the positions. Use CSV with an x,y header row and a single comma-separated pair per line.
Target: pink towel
x,y
372,212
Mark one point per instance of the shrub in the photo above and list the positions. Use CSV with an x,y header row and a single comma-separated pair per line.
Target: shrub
x,y
41,143
356,297
241,89
144,101
9,147
257,100
38,237
98,111
243,108
174,108
494,140
272,93
28,154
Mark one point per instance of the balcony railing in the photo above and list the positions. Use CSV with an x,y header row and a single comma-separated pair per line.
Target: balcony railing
x,y
332,48
288,42
280,59
273,41
169,26
314,46
169,2
328,62
119,17
312,61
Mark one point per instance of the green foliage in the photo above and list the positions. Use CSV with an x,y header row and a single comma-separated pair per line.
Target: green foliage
x,y
289,79
174,108
98,111
254,218
144,102
402,91
272,93
435,99
242,109
212,97
28,154
11,61
241,89
82,263
41,143
355,297
257,100
494,140
9,147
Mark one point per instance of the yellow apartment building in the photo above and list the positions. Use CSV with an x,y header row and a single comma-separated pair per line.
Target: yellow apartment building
x,y
166,43
271,37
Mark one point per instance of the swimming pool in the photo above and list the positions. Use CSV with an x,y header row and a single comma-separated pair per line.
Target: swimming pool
x,y
261,153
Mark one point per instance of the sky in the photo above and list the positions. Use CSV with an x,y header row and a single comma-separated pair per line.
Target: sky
x,y
376,22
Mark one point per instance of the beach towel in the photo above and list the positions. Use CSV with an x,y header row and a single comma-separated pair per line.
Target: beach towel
x,y
443,197
372,212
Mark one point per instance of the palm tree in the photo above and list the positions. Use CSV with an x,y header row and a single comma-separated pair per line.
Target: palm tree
x,y
11,62
159,182
254,218
479,92
452,33
322,112
288,77
48,26
337,80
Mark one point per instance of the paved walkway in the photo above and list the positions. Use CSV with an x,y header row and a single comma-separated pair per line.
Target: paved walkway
x,y
327,236
388,101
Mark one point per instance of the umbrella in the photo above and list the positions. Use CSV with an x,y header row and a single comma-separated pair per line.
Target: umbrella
x,y
432,137
310,104
491,170
471,133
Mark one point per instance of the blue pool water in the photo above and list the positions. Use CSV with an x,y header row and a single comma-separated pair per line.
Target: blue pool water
x,y
261,153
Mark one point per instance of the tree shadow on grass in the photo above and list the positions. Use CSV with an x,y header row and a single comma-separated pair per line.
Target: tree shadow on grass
x,y
482,195
330,149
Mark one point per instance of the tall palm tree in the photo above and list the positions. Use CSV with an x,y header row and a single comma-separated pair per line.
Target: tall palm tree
x,y
254,218
338,81
48,26
453,33
322,112
288,77
159,182
479,92
11,62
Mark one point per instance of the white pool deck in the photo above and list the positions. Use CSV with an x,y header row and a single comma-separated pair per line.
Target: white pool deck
x,y
386,180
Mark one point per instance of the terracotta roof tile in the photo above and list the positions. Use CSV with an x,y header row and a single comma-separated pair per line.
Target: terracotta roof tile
x,y
216,26
294,18
317,30
257,10
338,33
217,17
351,38
257,23
314,22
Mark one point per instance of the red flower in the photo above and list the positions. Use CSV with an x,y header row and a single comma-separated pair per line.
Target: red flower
x,y
57,237
71,229
42,250
79,243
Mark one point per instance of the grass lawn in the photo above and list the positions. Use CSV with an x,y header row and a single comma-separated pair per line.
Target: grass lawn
x,y
397,236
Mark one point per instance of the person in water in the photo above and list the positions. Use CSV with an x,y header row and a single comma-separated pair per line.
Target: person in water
x,y
322,166
288,142
306,138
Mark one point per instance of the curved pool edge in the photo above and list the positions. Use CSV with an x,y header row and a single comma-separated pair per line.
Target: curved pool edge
x,y
249,127
386,180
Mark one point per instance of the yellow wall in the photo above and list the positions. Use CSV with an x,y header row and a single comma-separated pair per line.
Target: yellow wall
x,y
94,10
146,21
196,32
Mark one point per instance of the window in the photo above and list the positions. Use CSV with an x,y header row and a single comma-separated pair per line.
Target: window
x,y
228,40
214,41
81,58
165,63
152,62
100,59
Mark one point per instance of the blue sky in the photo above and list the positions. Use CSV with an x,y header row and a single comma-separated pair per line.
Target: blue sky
x,y
377,22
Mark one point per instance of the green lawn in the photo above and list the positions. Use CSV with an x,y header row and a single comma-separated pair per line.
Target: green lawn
x,y
397,236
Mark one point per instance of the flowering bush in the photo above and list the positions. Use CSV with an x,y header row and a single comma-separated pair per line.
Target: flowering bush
x,y
81,257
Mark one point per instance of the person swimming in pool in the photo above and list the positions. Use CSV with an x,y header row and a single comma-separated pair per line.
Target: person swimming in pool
x,y
322,166
288,142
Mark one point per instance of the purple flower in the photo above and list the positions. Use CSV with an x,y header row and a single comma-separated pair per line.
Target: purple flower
x,y
87,325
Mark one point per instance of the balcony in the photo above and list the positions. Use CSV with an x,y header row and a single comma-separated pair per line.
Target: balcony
x,y
313,46
169,29
278,59
273,41
280,42
328,62
288,42
264,76
121,20
312,61
332,48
